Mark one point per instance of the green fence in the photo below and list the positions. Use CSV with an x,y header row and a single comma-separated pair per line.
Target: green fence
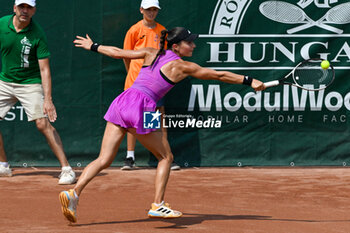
x,y
281,126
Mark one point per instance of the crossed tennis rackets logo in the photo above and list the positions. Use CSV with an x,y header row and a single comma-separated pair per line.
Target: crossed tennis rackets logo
x,y
284,12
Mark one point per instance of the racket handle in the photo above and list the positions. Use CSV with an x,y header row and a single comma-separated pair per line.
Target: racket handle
x,y
272,83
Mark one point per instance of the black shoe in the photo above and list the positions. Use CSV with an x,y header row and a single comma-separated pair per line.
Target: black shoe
x,y
129,164
174,166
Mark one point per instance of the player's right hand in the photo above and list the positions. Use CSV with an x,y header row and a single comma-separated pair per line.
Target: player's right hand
x,y
258,85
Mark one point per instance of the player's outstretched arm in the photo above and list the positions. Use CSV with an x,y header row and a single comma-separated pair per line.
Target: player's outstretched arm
x,y
111,51
196,71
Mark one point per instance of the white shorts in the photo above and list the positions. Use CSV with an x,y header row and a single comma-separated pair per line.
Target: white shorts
x,y
31,97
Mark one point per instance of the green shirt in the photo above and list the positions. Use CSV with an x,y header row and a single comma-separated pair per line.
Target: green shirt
x,y
20,51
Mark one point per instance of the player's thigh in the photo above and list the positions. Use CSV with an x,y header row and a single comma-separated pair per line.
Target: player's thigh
x,y
162,110
155,143
31,96
7,98
112,138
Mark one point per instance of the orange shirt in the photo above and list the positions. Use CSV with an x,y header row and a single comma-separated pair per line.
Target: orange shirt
x,y
140,36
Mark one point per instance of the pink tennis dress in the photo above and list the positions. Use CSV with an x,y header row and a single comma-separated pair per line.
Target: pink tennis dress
x,y
150,86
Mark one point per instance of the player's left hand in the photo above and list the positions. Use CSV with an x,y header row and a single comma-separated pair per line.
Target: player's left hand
x,y
83,42
50,110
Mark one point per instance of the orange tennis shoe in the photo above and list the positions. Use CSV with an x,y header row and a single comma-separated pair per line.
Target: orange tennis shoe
x,y
69,205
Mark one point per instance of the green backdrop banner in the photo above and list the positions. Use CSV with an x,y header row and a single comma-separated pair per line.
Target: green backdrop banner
x,y
263,39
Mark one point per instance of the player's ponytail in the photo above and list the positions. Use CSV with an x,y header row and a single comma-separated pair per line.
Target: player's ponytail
x,y
163,35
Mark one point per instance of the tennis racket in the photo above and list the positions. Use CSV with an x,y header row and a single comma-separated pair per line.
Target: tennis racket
x,y
308,75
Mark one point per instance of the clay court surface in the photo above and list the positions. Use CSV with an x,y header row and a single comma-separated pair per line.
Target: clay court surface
x,y
271,200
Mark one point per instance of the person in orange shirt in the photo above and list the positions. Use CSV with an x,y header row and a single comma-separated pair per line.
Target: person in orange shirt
x,y
145,33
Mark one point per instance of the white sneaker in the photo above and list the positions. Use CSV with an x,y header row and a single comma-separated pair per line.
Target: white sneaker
x,y
5,171
67,176
174,166
163,211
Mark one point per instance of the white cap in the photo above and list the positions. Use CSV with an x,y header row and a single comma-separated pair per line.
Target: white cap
x,y
29,2
145,4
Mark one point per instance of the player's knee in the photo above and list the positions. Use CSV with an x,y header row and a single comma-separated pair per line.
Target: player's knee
x,y
105,163
42,124
168,157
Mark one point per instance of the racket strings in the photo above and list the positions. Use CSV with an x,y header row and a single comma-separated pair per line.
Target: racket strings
x,y
340,15
282,12
311,75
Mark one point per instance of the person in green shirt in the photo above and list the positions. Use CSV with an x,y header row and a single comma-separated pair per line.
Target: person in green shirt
x,y
25,77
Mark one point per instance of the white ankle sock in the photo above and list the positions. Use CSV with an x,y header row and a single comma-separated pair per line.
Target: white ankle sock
x,y
75,195
156,204
130,154
5,164
66,168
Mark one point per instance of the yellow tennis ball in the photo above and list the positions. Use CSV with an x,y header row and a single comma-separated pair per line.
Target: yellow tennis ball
x,y
325,64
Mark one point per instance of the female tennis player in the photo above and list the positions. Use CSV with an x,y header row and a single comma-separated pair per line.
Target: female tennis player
x,y
162,69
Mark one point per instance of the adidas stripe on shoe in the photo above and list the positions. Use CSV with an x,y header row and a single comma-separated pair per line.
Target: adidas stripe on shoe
x,y
163,211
